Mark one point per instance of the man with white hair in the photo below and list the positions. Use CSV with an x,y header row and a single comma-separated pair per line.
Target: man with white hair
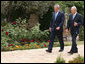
x,y
74,23
56,28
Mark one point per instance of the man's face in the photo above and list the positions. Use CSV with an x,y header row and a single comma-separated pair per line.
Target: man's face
x,y
73,10
56,9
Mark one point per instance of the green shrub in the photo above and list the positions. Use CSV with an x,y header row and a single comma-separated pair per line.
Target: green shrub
x,y
81,35
15,32
37,34
4,44
78,59
4,23
60,60
45,20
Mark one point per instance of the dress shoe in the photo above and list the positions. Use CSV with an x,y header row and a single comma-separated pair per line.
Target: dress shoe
x,y
61,50
75,51
49,51
70,52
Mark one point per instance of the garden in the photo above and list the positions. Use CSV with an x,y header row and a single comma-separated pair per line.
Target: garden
x,y
15,36
14,17
25,26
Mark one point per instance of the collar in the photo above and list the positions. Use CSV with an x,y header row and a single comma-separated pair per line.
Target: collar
x,y
75,13
57,12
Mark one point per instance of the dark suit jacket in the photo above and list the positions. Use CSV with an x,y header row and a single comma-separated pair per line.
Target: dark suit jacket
x,y
58,22
70,23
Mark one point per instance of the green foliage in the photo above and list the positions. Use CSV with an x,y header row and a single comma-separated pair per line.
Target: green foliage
x,y
14,9
4,23
46,19
81,35
64,7
37,34
78,4
4,44
11,10
16,32
78,59
60,60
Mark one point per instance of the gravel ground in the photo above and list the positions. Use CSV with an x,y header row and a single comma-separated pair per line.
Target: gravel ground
x,y
38,55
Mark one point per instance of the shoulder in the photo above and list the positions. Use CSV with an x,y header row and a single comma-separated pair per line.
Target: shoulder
x,y
62,13
70,15
79,14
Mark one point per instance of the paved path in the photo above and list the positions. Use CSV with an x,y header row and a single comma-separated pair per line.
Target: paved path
x,y
38,55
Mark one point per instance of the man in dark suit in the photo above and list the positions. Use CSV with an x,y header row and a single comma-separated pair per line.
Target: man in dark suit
x,y
56,28
74,23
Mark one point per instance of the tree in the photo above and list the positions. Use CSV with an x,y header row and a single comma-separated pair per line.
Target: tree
x,y
14,9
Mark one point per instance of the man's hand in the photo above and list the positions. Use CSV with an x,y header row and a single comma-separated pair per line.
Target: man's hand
x,y
67,30
58,28
50,29
75,23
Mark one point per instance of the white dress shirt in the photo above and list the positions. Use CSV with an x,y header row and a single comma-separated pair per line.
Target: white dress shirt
x,y
56,14
74,15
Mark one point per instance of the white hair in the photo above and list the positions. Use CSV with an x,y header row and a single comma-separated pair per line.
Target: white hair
x,y
56,5
74,7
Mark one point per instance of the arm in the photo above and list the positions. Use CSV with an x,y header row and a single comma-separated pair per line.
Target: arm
x,y
62,20
80,21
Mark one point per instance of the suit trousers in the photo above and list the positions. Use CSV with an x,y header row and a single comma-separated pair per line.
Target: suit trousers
x,y
59,35
74,45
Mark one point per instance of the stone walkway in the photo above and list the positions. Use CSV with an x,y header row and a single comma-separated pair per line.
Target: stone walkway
x,y
38,55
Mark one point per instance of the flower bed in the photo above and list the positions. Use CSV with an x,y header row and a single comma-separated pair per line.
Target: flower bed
x,y
32,45
14,36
